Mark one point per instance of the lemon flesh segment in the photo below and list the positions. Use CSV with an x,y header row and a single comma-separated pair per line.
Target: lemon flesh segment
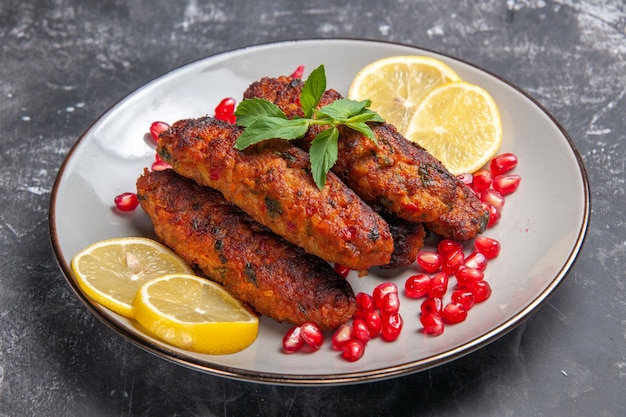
x,y
111,271
459,124
396,85
195,314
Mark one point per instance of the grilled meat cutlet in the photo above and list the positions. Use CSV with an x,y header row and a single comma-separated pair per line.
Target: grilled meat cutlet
x,y
272,182
396,176
276,278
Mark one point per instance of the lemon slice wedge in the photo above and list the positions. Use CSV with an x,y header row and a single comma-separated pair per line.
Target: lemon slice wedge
x,y
396,84
196,314
459,124
111,271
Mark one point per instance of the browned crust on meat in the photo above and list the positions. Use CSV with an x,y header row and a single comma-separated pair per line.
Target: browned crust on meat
x,y
276,278
271,181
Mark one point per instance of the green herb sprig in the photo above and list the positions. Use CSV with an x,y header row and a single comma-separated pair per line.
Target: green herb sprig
x,y
264,120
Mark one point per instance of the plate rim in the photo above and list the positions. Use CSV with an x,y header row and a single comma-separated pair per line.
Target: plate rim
x,y
337,378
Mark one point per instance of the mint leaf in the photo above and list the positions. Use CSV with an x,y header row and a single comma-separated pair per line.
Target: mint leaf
x,y
364,129
252,109
343,108
271,128
323,154
312,91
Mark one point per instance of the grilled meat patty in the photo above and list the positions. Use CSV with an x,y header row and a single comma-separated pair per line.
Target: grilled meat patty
x,y
272,182
276,278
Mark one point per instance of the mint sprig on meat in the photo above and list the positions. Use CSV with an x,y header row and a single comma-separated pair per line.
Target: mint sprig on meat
x,y
263,120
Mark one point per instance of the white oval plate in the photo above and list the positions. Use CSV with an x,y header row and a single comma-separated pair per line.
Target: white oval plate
x,y
541,231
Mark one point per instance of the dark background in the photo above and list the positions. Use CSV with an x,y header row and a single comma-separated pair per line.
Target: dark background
x,y
64,63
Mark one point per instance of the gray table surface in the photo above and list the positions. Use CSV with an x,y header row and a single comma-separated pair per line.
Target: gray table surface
x,y
64,63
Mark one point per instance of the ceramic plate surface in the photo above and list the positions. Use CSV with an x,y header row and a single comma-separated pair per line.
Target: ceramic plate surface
x,y
538,247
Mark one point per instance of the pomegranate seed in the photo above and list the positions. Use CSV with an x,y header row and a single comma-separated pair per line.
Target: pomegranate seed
x,y
454,313
432,306
126,201
374,322
160,166
390,304
293,341
352,350
493,197
364,301
225,110
480,289
341,270
360,331
381,290
429,260
476,260
447,246
344,333
467,179
503,163
494,214
482,180
432,323
487,246
452,261
417,286
438,285
312,335
463,297
466,275
298,72
392,326
506,184
156,128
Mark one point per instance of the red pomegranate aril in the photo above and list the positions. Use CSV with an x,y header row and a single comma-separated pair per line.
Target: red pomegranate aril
x,y
429,260
480,289
463,297
432,324
392,327
482,180
493,197
374,322
360,331
454,313
494,214
352,350
438,285
343,333
466,275
432,306
364,301
476,260
390,304
341,270
381,290
417,286
126,201
487,246
506,184
467,179
312,335
452,261
503,163
447,246
156,128
298,72
293,341
225,109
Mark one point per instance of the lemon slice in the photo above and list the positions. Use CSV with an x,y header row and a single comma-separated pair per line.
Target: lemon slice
x,y
111,271
459,124
396,84
196,314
